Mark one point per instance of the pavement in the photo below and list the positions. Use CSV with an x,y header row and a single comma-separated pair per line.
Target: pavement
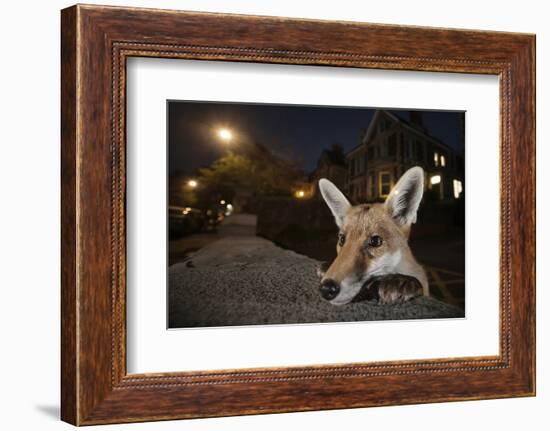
x,y
237,278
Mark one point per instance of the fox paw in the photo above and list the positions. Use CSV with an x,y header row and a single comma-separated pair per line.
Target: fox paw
x,y
394,288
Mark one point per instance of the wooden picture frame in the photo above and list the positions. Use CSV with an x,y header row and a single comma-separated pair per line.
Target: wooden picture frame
x,y
95,43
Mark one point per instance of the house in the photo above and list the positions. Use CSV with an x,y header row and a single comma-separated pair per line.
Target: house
x,y
331,165
392,145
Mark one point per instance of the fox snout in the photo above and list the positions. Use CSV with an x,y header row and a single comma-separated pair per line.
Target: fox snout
x,y
342,279
329,289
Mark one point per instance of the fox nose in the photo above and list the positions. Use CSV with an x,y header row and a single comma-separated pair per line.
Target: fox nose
x,y
329,289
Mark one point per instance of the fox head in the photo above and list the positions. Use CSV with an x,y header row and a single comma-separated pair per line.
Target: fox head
x,y
373,238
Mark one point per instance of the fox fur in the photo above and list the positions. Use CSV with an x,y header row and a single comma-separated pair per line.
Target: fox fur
x,y
373,239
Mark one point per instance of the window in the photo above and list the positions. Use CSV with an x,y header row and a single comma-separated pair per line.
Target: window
x,y
371,186
436,159
383,150
436,179
384,183
442,160
457,188
392,145
407,148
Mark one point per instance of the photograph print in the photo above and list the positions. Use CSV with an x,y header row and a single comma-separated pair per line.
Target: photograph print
x,y
294,214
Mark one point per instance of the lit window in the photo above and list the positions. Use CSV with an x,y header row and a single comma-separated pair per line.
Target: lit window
x,y
436,179
457,188
442,160
436,159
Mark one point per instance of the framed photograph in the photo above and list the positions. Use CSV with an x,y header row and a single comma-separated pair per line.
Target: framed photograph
x,y
264,215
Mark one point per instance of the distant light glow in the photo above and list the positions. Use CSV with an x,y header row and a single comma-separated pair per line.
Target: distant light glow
x,y
222,202
436,179
442,160
225,134
192,183
436,159
300,194
229,209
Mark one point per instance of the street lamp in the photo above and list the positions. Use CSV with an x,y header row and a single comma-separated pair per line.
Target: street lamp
x,y
225,134
192,183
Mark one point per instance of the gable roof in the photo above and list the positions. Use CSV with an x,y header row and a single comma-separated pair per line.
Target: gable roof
x,y
404,123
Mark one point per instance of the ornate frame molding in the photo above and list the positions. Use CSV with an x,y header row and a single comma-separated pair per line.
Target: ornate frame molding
x,y
96,41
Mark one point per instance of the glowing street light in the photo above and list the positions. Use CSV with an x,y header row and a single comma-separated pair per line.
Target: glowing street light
x,y
300,194
192,183
225,134
222,202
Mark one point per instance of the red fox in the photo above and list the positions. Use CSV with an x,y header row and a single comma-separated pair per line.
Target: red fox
x,y
373,243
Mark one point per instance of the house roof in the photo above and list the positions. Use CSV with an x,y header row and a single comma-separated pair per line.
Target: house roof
x,y
408,125
416,129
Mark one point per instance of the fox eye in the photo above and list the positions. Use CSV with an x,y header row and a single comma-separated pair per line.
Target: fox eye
x,y
341,239
375,241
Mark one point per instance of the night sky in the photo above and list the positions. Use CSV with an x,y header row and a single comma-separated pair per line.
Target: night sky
x,y
298,132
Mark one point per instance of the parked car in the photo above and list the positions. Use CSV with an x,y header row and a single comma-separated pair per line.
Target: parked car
x,y
184,220
187,220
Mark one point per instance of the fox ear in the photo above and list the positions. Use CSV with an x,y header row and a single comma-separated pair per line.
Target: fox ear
x,y
335,200
405,197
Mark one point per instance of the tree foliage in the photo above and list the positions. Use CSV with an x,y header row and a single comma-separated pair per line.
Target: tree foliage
x,y
248,170
254,170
